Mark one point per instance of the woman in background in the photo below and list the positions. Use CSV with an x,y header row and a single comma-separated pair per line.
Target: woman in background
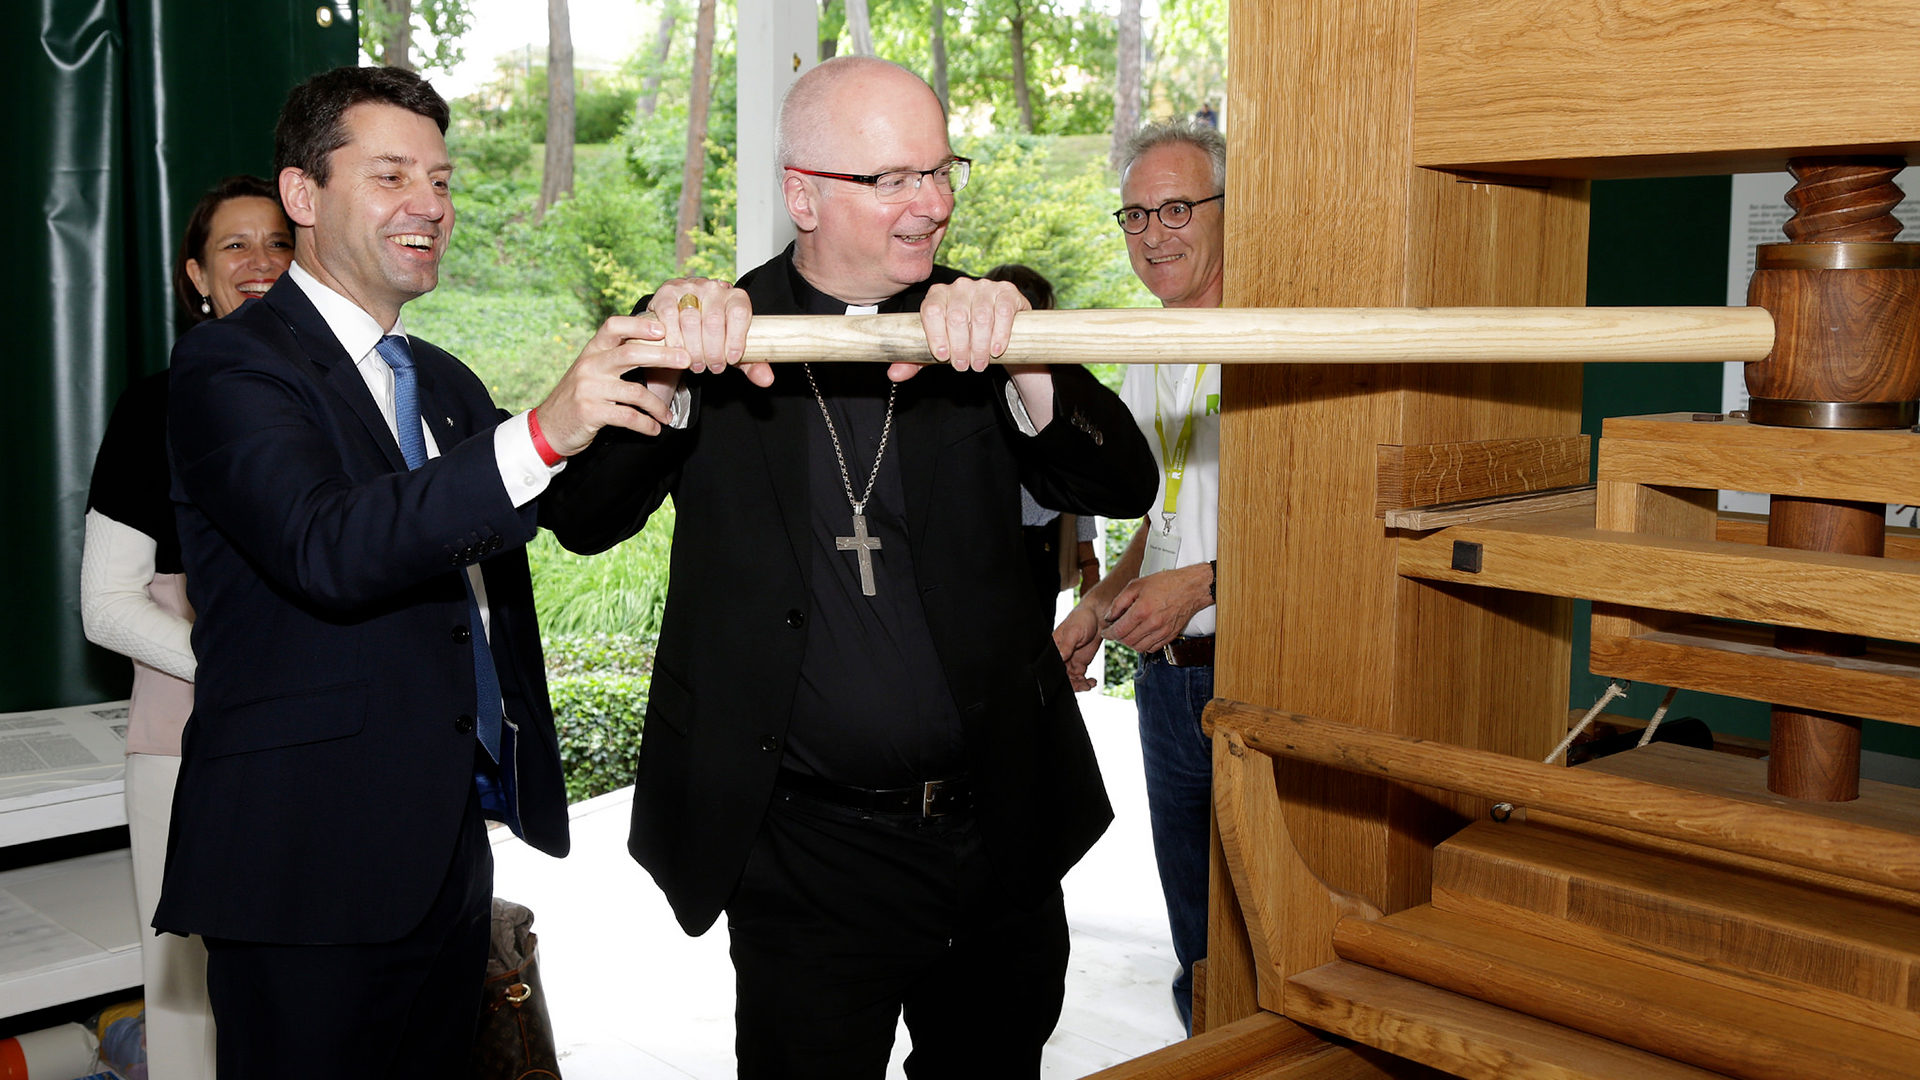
x,y
133,599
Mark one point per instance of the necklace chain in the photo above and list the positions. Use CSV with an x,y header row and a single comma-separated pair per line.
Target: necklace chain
x,y
846,478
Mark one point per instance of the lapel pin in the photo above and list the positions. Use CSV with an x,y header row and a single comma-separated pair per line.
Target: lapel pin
x,y
449,421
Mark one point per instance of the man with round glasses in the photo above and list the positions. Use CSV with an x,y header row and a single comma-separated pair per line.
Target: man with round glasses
x,y
1158,597
858,743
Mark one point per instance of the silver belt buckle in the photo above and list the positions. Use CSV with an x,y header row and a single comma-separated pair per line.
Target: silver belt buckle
x,y
1166,651
928,790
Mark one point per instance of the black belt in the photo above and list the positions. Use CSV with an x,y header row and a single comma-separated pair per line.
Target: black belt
x,y
1184,651
931,799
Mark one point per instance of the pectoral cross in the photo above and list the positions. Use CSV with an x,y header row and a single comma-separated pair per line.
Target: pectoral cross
x,y
864,544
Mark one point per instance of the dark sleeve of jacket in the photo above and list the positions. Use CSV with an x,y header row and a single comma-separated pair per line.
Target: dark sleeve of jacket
x,y
1092,458
256,450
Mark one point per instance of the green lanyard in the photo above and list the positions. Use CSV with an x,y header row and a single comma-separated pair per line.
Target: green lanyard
x,y
1174,458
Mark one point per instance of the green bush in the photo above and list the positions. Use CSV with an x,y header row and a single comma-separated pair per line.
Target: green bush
x,y
598,683
1122,663
620,591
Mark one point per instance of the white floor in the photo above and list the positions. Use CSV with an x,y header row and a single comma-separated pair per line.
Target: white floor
x,y
633,998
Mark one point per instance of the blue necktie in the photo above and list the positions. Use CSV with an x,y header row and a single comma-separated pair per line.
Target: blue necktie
x,y
413,447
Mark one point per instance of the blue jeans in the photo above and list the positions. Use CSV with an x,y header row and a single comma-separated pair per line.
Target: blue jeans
x,y
1178,760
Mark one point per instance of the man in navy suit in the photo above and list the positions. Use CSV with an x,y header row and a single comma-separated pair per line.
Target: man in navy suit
x,y
352,512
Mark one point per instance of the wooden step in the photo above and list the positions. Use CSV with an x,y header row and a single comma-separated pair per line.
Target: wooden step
x,y
1849,956
1261,1047
1712,1026
1461,1035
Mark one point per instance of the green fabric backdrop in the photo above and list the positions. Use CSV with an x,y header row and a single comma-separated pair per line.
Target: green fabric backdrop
x,y
119,113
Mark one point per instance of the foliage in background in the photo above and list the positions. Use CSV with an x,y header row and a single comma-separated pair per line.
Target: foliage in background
x,y
598,683
1122,663
620,591
1016,208
444,22
1188,65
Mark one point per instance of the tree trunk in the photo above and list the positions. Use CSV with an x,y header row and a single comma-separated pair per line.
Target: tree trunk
x,y
662,48
1022,96
937,40
829,30
397,50
556,179
860,27
695,172
1126,82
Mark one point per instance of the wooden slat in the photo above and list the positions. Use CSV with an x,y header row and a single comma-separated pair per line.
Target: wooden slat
x,y
1670,449
1680,513
1816,590
1902,542
1741,661
1875,838
1848,956
1461,335
1463,1036
1435,473
1260,1047
1651,87
1713,1027
1421,518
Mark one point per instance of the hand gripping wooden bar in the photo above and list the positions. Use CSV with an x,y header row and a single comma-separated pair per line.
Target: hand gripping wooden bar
x,y
1489,335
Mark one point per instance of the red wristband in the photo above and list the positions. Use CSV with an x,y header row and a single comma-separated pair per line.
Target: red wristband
x,y
540,444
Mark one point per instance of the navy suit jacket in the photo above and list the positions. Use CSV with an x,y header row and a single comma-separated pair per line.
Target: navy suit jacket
x,y
330,753
736,618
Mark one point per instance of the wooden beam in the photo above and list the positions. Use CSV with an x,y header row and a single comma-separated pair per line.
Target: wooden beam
x,y
1436,473
1741,661
1652,87
1812,589
1260,1047
1712,1026
1462,1036
1829,837
1737,528
1457,335
1424,518
1675,451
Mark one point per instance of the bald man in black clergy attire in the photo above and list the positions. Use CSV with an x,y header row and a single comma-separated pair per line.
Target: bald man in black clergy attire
x,y
858,744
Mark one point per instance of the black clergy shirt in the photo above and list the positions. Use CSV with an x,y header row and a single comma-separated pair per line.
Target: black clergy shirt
x,y
873,708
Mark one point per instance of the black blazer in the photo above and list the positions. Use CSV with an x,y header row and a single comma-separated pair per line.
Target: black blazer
x,y
326,764
730,645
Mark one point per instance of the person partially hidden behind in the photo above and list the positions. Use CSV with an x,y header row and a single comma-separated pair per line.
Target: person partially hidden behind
x,y
352,512
1059,546
1158,597
859,744
133,600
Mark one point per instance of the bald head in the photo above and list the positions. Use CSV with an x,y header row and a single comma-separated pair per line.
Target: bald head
x,y
840,96
857,117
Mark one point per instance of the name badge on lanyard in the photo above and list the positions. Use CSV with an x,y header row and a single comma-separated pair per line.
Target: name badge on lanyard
x,y
1163,544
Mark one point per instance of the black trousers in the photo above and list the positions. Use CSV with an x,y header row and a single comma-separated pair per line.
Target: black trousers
x,y
398,1009
845,920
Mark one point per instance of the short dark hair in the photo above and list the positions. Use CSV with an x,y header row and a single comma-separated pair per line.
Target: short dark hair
x,y
193,240
312,122
1037,289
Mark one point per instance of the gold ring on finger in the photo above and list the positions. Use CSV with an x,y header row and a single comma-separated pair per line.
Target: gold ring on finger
x,y
689,300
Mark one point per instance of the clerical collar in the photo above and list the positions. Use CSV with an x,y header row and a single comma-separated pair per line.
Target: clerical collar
x,y
814,302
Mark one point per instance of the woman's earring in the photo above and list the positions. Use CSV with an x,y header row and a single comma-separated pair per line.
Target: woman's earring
x,y
206,306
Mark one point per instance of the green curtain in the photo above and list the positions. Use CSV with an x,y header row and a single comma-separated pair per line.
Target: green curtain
x,y
119,113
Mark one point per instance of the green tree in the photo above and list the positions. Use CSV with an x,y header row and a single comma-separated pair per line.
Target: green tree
x,y
1189,56
387,26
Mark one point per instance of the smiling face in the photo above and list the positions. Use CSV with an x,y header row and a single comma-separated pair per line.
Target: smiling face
x,y
1183,267
249,245
851,245
376,231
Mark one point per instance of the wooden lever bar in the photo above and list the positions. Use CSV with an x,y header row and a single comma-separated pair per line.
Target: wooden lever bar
x,y
1491,335
1775,832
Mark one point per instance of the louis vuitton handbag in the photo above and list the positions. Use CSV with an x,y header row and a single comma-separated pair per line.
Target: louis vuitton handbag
x,y
516,1034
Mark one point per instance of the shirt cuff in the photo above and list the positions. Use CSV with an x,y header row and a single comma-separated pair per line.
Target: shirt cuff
x,y
682,405
1019,410
521,469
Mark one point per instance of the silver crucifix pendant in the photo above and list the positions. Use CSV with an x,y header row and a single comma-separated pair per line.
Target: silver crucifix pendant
x,y
862,543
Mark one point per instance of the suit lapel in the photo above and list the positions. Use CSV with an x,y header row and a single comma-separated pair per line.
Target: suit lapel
x,y
316,340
